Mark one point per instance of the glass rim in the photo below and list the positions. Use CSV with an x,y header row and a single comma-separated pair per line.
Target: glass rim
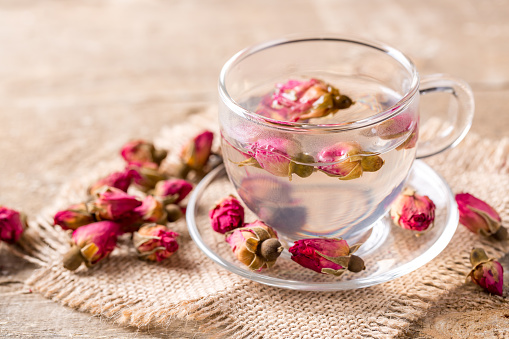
x,y
379,117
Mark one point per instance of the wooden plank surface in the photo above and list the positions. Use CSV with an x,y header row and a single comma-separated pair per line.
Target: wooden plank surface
x,y
77,79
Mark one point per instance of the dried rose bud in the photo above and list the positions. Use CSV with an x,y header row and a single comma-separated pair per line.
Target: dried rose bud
x,y
255,245
92,243
487,273
121,180
172,191
142,152
148,176
413,211
114,204
411,141
174,212
327,255
227,215
74,216
372,163
479,217
155,242
396,127
346,154
196,152
151,210
12,225
302,100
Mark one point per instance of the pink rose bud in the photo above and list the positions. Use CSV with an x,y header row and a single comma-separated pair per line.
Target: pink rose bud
x,y
142,152
92,243
302,100
121,180
487,273
347,161
74,216
151,210
114,204
195,154
413,211
479,217
327,255
12,225
155,242
255,245
227,215
148,176
172,191
396,127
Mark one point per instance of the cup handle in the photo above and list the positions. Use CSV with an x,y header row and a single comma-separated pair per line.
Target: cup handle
x,y
442,134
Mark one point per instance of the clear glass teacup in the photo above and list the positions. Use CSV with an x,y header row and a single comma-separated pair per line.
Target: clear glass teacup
x,y
334,175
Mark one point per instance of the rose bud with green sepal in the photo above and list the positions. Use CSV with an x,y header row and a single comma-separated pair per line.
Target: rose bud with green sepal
x,y
172,191
142,152
174,212
327,255
12,225
486,272
195,154
148,176
227,215
114,204
74,216
479,217
91,244
413,211
255,245
151,210
346,154
121,180
155,242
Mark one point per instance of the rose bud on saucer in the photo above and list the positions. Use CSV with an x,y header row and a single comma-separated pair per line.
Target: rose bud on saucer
x,y
487,273
121,180
195,154
151,210
479,217
74,216
92,243
227,215
413,211
155,242
12,225
327,255
349,167
142,152
114,204
255,245
172,191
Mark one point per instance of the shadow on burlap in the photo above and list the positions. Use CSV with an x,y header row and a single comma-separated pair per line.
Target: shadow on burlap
x,y
190,287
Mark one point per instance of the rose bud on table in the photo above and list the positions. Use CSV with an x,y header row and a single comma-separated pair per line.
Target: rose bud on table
x,y
151,210
172,191
255,245
148,176
174,212
227,215
91,244
114,204
487,273
327,255
74,216
142,152
155,242
479,217
12,225
195,154
413,211
121,180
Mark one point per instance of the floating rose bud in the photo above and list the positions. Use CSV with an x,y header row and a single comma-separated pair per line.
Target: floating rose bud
x,y
114,204
12,225
74,216
148,176
347,160
142,152
372,163
487,273
92,243
155,242
151,210
302,100
327,255
227,215
196,152
396,127
121,180
479,217
413,211
172,191
255,245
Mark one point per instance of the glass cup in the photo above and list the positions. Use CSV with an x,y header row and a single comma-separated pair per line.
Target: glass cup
x,y
337,175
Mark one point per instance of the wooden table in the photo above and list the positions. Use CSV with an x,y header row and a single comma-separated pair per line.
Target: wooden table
x,y
78,79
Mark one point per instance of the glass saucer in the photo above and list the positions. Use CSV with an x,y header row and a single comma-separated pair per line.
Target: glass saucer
x,y
388,253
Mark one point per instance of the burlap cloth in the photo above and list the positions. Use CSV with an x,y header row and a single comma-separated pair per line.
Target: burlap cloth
x,y
190,287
